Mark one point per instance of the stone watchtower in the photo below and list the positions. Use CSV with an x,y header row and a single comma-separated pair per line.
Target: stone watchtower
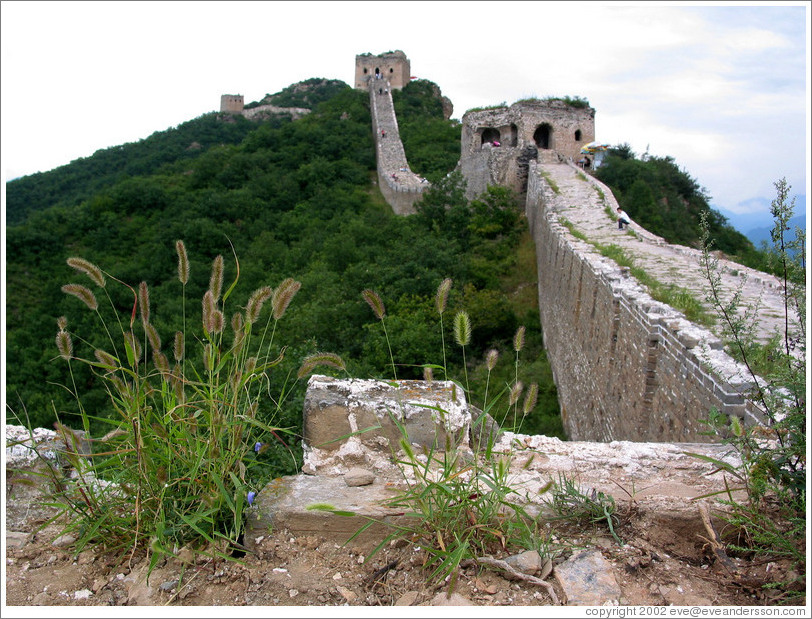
x,y
231,104
498,143
392,66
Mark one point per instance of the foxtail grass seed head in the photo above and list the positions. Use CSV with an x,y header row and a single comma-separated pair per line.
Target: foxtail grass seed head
x,y
65,345
250,365
237,322
518,339
161,362
462,328
235,379
515,392
491,358
143,302
216,279
255,303
428,374
62,323
89,269
320,358
179,347
442,295
374,301
106,359
183,262
218,323
83,294
153,337
283,295
239,342
209,308
530,398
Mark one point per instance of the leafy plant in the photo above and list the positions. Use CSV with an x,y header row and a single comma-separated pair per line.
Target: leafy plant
x,y
772,456
569,503
178,464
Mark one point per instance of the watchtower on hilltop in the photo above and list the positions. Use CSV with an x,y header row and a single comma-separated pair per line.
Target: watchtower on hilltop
x,y
498,143
232,104
392,66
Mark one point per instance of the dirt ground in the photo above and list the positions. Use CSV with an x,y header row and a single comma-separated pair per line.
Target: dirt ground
x,y
657,565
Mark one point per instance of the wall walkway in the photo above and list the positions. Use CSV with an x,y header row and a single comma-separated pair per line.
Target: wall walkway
x,y
399,185
628,367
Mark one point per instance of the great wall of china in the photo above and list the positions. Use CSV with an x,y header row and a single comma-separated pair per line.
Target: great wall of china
x,y
626,366
635,378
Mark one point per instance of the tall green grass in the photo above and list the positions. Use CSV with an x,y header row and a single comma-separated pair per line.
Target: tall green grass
x,y
179,463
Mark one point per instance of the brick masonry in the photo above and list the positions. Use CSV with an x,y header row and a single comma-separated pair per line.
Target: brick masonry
x,y
626,367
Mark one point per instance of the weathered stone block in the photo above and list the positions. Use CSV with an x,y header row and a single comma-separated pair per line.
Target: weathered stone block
x,y
350,418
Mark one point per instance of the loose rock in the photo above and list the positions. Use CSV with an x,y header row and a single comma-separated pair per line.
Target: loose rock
x,y
358,477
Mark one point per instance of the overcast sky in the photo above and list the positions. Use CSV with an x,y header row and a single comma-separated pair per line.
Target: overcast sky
x,y
722,89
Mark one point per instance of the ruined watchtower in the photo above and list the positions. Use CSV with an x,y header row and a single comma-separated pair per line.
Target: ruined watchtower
x,y
231,104
498,143
392,66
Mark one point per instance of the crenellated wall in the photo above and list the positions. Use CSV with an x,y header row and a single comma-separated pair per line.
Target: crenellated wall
x,y
626,367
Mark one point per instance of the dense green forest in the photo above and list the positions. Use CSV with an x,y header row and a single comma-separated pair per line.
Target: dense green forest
x,y
286,199
666,200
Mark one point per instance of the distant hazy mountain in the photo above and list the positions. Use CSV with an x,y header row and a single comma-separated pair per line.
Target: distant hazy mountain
x,y
756,226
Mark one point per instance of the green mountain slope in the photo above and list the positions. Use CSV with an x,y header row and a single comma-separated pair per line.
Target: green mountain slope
x,y
286,199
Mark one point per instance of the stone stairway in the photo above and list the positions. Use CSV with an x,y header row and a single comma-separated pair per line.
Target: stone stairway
x,y
400,186
583,201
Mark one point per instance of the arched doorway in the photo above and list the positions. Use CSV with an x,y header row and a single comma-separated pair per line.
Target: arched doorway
x,y
543,136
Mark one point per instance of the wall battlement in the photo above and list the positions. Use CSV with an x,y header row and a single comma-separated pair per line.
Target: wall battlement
x,y
626,366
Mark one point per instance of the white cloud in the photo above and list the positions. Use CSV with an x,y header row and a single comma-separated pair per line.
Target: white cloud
x,y
682,78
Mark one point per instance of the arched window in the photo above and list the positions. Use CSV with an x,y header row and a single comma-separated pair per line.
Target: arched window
x,y
514,135
490,135
543,136
577,135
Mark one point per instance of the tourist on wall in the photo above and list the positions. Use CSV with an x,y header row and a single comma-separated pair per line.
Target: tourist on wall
x,y
622,218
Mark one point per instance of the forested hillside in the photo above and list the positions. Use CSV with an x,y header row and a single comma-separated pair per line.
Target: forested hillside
x,y
286,199
666,200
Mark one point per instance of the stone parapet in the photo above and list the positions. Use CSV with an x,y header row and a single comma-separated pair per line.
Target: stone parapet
x,y
362,422
626,367
263,111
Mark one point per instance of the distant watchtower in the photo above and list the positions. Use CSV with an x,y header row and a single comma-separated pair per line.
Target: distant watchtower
x,y
231,104
393,66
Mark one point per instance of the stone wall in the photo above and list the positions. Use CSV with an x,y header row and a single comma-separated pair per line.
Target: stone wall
x,y
626,367
518,129
266,111
400,187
